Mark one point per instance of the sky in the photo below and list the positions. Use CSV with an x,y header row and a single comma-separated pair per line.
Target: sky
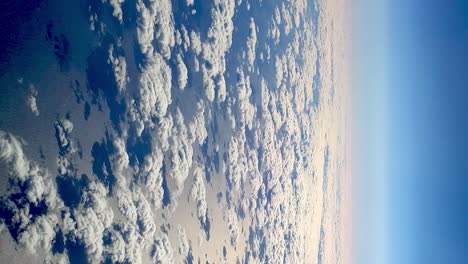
x,y
409,88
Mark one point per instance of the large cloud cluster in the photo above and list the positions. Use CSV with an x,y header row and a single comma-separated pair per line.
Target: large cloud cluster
x,y
259,122
30,222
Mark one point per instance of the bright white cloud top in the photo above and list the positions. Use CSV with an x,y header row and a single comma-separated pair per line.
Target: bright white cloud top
x,y
212,131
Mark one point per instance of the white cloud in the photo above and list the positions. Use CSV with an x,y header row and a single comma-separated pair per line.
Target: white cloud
x,y
182,72
197,128
126,205
198,195
31,100
34,234
145,216
155,22
162,251
154,92
119,66
251,44
92,221
116,249
117,5
214,50
153,177
232,227
63,128
11,152
180,155
184,246
39,235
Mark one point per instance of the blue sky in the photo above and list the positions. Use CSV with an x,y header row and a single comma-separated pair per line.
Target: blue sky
x,y
411,116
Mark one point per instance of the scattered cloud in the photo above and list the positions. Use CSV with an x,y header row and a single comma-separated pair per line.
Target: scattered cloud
x,y
31,100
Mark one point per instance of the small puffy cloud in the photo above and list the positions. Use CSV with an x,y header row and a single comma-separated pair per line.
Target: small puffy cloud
x,y
117,5
251,44
162,251
182,72
31,101
184,246
119,66
63,129
126,205
145,216
180,154
198,195
232,227
197,127
153,178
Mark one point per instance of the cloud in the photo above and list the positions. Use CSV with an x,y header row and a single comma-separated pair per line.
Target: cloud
x,y
145,216
154,93
116,248
184,246
63,128
117,5
155,22
182,72
198,195
162,251
11,152
127,206
214,51
34,229
197,128
179,156
119,66
93,220
153,178
232,227
251,44
39,235
31,100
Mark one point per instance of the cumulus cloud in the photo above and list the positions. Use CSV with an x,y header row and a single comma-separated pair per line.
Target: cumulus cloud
x,y
63,128
270,143
162,251
117,5
154,93
182,72
34,231
39,235
93,220
119,66
145,216
251,44
214,51
152,174
176,138
11,152
184,246
198,195
31,100
197,128
155,22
